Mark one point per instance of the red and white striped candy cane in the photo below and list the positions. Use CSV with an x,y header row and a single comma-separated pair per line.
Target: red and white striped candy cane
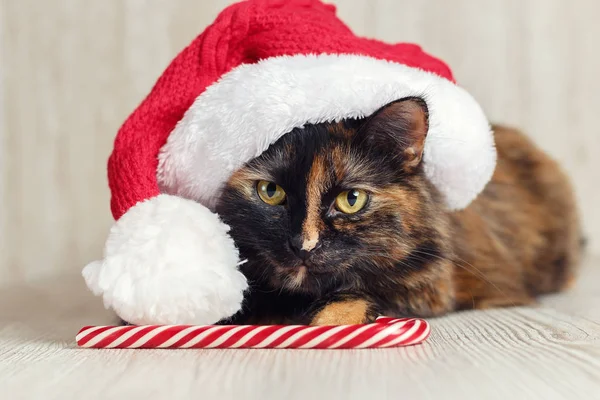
x,y
385,332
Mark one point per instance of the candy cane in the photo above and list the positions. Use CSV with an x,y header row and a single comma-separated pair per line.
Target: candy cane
x,y
385,332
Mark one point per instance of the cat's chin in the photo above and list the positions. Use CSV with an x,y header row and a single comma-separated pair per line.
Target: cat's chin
x,y
299,279
293,279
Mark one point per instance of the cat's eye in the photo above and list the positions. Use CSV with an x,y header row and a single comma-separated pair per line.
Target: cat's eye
x,y
351,201
271,193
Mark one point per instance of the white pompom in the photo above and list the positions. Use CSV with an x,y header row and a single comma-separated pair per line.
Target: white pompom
x,y
169,260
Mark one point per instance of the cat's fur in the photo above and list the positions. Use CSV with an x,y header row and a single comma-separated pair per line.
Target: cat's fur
x,y
404,254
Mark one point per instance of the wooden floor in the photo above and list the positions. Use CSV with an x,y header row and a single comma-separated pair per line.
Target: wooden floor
x,y
547,352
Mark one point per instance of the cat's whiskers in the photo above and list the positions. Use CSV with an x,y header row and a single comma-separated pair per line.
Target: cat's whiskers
x,y
473,270
478,273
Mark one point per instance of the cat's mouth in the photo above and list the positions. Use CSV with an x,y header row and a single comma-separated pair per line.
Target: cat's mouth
x,y
301,279
295,277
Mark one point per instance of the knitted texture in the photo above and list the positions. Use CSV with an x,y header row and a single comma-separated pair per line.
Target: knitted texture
x,y
243,33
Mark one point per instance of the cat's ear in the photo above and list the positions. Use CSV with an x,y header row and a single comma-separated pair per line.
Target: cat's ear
x,y
400,127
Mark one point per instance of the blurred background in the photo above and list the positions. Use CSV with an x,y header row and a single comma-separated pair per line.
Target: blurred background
x,y
72,70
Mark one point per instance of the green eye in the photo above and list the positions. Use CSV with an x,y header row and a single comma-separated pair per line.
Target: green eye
x,y
271,193
351,201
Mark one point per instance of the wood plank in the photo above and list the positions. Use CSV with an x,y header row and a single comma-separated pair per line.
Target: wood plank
x,y
520,353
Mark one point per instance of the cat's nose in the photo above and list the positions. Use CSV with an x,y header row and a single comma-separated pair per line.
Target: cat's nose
x,y
296,243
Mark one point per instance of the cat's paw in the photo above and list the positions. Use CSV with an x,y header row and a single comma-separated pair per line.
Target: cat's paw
x,y
344,312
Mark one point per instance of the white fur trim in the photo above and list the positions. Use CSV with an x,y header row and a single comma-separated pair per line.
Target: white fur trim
x,y
238,117
169,260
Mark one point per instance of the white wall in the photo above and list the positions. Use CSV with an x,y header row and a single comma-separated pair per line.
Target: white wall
x,y
74,69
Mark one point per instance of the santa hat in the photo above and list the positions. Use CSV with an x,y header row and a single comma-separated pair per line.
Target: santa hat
x,y
261,69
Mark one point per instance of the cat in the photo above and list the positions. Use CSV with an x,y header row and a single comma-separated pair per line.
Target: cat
x,y
339,225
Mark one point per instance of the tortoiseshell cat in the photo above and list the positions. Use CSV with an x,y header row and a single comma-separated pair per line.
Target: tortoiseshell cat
x,y
339,224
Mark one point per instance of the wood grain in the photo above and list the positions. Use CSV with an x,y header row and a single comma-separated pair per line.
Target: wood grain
x,y
548,352
72,71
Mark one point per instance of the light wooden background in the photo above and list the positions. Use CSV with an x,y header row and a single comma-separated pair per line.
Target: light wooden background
x,y
72,70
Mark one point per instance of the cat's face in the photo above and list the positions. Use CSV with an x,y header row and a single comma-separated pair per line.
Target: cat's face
x,y
336,205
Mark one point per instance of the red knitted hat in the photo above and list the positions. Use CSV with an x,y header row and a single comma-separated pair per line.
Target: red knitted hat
x,y
261,69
